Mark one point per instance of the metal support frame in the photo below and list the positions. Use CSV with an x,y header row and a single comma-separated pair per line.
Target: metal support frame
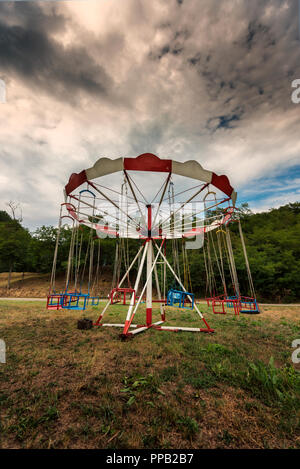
x,y
97,323
208,328
148,257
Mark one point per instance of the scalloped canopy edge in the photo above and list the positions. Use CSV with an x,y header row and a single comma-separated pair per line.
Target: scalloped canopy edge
x,y
150,162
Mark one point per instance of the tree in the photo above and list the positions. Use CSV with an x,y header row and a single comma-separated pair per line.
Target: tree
x,y
14,206
14,240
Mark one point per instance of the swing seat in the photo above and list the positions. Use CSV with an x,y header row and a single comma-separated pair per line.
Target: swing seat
x,y
233,303
73,293
249,305
216,305
115,295
55,301
180,298
72,301
230,304
95,300
176,297
214,298
114,298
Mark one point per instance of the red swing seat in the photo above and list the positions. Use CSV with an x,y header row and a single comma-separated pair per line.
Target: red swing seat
x,y
119,292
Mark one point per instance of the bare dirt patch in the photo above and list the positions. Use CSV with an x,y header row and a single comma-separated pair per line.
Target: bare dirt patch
x,y
282,312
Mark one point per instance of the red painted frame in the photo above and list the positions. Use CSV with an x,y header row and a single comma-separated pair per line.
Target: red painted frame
x,y
124,291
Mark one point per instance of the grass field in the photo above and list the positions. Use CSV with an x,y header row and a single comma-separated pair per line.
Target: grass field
x,y
66,388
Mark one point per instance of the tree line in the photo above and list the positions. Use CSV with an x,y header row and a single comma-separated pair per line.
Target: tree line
x,y
272,239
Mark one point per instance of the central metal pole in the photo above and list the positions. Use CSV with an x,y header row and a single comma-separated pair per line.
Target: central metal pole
x,y
149,270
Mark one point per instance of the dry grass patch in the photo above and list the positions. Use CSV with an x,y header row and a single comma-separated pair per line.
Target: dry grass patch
x,y
66,388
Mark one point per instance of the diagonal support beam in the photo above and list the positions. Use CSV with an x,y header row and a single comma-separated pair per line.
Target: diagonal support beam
x,y
158,287
162,197
131,314
121,282
136,286
182,286
184,204
135,197
113,203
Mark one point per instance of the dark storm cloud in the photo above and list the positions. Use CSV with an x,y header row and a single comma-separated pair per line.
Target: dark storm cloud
x,y
28,50
175,50
195,60
258,34
31,16
208,80
248,58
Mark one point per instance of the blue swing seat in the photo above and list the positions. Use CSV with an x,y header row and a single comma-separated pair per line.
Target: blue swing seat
x,y
229,304
249,305
72,301
95,300
178,297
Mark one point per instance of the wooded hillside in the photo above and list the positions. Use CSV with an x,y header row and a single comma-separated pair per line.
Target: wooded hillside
x,y
272,240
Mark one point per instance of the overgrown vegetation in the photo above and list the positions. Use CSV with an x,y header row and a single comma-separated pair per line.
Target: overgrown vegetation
x,y
66,388
272,240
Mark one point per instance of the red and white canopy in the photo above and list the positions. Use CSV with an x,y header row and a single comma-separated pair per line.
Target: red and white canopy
x,y
147,162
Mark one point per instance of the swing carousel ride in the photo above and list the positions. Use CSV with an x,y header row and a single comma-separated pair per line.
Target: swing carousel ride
x,y
135,198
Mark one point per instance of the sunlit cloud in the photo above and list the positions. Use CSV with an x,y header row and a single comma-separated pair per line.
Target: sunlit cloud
x,y
204,80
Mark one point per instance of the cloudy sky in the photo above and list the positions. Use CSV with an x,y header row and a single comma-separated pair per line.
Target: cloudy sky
x,y
185,79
